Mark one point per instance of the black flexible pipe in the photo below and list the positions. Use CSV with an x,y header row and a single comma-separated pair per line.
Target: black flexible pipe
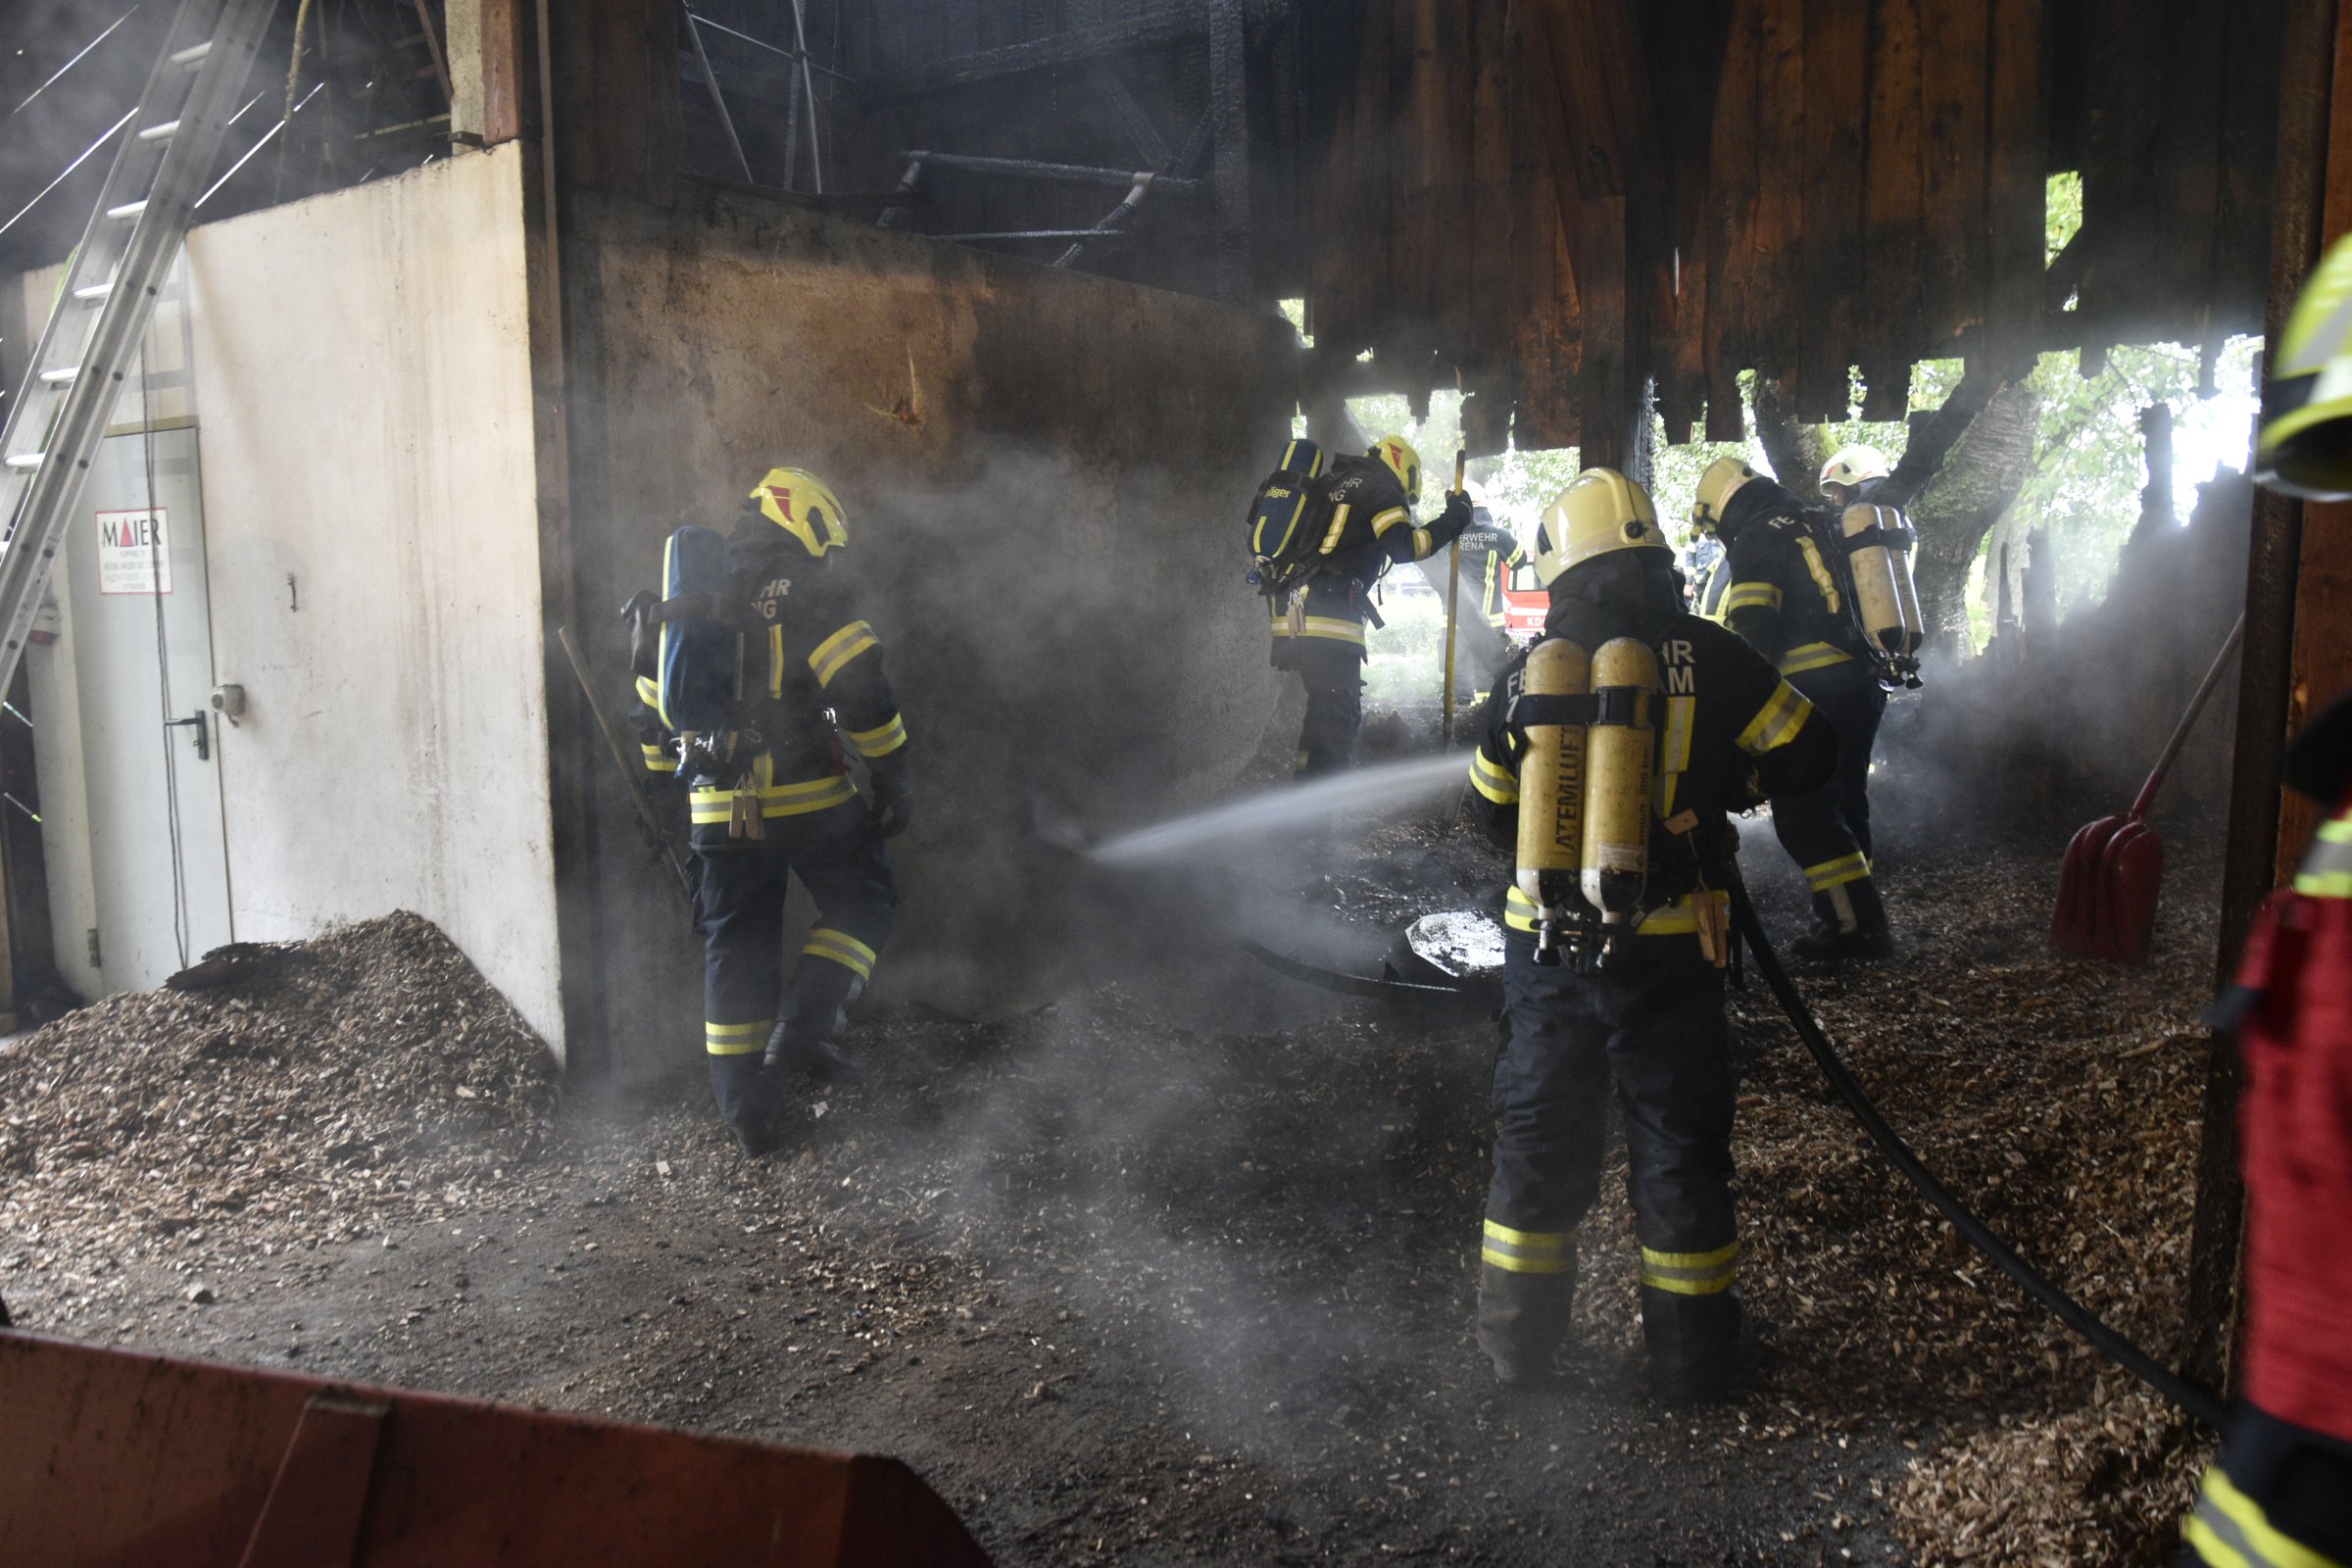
x,y
2199,1403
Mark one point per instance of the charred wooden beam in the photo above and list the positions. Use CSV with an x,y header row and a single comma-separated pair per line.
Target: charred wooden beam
x,y
2305,207
1155,22
1228,83
1064,173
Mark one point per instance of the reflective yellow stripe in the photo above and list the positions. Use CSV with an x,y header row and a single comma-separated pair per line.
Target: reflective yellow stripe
x,y
1821,574
838,649
2336,830
1681,714
1384,521
649,691
1676,920
2211,1547
2227,1512
1492,780
1812,656
1529,1251
1339,526
737,1039
1337,628
775,800
882,739
1423,544
2324,884
1836,873
842,948
1751,596
775,660
1691,1273
1777,723
1681,917
658,758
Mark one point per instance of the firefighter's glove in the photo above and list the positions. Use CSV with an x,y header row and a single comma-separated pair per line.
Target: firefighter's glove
x,y
894,801
1453,519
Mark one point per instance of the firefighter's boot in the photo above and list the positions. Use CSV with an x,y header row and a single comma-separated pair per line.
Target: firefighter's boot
x,y
1694,1344
748,1098
1850,922
1523,1322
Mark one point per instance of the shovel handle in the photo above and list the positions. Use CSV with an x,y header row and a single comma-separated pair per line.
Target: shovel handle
x,y
2196,705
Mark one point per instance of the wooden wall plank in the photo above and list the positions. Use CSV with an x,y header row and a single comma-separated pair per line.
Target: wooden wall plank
x,y
1892,211
1836,69
1953,38
2118,166
1487,240
1731,222
1606,375
2017,181
1774,320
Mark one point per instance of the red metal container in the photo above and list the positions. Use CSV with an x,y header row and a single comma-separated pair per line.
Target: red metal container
x,y
111,1458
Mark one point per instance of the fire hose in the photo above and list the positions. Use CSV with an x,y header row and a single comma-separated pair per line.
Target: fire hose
x,y
2200,1403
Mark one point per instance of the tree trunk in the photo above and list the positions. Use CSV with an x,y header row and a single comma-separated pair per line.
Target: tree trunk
x,y
1961,503
1795,450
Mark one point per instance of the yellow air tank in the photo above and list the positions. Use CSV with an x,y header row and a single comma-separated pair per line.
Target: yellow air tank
x,y
1883,591
1551,787
1621,751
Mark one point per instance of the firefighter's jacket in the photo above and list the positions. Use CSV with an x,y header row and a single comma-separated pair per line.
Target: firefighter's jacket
x,y
1367,492
1490,553
1777,589
2293,999
810,683
1731,734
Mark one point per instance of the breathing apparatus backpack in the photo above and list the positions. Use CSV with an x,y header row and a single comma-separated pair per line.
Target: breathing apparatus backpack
x,y
1875,544
689,643
1298,528
1585,799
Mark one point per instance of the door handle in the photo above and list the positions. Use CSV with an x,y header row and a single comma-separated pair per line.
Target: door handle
x,y
204,734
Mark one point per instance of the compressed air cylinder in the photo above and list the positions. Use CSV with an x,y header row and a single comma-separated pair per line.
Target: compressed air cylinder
x,y
1882,588
1620,752
1551,779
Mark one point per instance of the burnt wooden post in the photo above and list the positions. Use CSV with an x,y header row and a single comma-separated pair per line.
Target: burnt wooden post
x,y
2285,651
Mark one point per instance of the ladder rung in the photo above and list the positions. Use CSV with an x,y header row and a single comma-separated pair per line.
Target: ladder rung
x,y
159,133
26,460
193,54
128,209
60,377
93,293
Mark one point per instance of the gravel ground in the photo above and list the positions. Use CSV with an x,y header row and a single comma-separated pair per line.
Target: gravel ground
x,y
1179,1268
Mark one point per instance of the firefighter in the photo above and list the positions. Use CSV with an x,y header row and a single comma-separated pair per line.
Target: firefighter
x,y
774,800
1490,553
1650,1019
1779,592
1854,476
2280,1493
1322,636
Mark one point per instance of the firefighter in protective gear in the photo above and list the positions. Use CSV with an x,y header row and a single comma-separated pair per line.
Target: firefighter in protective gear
x,y
2305,446
812,687
1853,474
2281,1491
1729,730
1490,553
1779,591
1325,641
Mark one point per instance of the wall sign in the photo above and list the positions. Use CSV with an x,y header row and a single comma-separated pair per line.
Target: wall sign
x,y
134,551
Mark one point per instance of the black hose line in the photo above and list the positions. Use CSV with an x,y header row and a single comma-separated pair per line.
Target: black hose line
x,y
2199,1401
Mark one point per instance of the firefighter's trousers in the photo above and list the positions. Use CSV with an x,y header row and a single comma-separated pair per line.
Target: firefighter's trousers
x,y
2279,1496
843,864
1334,674
1827,831
1653,1025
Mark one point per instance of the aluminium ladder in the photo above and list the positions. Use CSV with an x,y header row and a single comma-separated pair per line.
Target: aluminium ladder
x,y
77,372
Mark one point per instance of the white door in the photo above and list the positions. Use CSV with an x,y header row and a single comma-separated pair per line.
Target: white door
x,y
141,639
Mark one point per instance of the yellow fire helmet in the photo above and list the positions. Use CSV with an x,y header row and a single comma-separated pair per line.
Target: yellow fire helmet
x,y
1853,466
1600,511
1715,486
803,506
1404,462
2305,448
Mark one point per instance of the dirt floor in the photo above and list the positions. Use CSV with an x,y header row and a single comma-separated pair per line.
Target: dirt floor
x,y
1179,1268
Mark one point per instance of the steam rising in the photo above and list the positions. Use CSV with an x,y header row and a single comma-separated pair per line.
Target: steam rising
x,y
1287,810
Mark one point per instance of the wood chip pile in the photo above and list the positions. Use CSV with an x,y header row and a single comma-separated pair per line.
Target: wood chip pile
x,y
364,1072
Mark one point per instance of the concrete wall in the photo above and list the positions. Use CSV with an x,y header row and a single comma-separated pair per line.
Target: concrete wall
x,y
1044,475
363,368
